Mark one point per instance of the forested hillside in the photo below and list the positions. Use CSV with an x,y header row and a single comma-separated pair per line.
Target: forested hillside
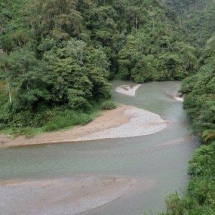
x,y
197,18
60,55
57,57
199,92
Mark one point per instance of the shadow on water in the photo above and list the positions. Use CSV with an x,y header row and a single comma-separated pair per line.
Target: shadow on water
x,y
158,162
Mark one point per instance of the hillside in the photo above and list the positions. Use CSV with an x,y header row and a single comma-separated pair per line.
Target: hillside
x,y
59,57
199,91
197,18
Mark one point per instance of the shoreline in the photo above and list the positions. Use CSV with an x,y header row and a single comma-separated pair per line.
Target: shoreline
x,y
75,195
124,121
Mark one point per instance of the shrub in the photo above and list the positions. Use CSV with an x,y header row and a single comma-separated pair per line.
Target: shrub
x,y
108,105
66,118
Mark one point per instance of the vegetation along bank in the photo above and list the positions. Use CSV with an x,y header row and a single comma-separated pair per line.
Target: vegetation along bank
x,y
199,91
56,61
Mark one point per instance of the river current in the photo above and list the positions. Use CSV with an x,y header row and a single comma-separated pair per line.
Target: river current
x,y
158,162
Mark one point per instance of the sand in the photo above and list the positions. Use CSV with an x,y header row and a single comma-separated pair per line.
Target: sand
x,y
180,99
124,121
129,90
62,196
139,123
82,192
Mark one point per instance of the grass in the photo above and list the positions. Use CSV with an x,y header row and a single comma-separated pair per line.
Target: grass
x,y
59,120
67,119
53,120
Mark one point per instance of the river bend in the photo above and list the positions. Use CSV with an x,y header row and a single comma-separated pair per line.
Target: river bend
x,y
149,167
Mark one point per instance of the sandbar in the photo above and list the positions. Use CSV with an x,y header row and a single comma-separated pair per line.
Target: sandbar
x,y
129,90
124,121
62,196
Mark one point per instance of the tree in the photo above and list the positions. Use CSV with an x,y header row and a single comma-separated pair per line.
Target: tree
x,y
53,18
26,79
78,74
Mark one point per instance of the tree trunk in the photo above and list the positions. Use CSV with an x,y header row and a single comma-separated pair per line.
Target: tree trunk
x,y
9,92
8,88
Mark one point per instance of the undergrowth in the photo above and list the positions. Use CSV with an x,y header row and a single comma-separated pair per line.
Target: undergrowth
x,y
53,120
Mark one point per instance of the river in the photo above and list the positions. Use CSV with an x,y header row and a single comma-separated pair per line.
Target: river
x,y
158,162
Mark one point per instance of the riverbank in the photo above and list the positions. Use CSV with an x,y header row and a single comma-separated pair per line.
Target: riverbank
x,y
130,174
124,121
62,196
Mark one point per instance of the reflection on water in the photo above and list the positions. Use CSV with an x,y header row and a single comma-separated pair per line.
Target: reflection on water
x,y
158,161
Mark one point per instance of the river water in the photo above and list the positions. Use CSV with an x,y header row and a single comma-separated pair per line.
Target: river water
x,y
158,162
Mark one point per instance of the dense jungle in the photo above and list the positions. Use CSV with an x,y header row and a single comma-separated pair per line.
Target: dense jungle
x,y
57,59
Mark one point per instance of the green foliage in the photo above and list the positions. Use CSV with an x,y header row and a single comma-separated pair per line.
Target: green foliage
x,y
61,55
78,73
51,67
27,78
204,156
66,118
197,17
13,33
56,58
156,56
108,105
51,18
199,100
199,92
47,120
3,93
